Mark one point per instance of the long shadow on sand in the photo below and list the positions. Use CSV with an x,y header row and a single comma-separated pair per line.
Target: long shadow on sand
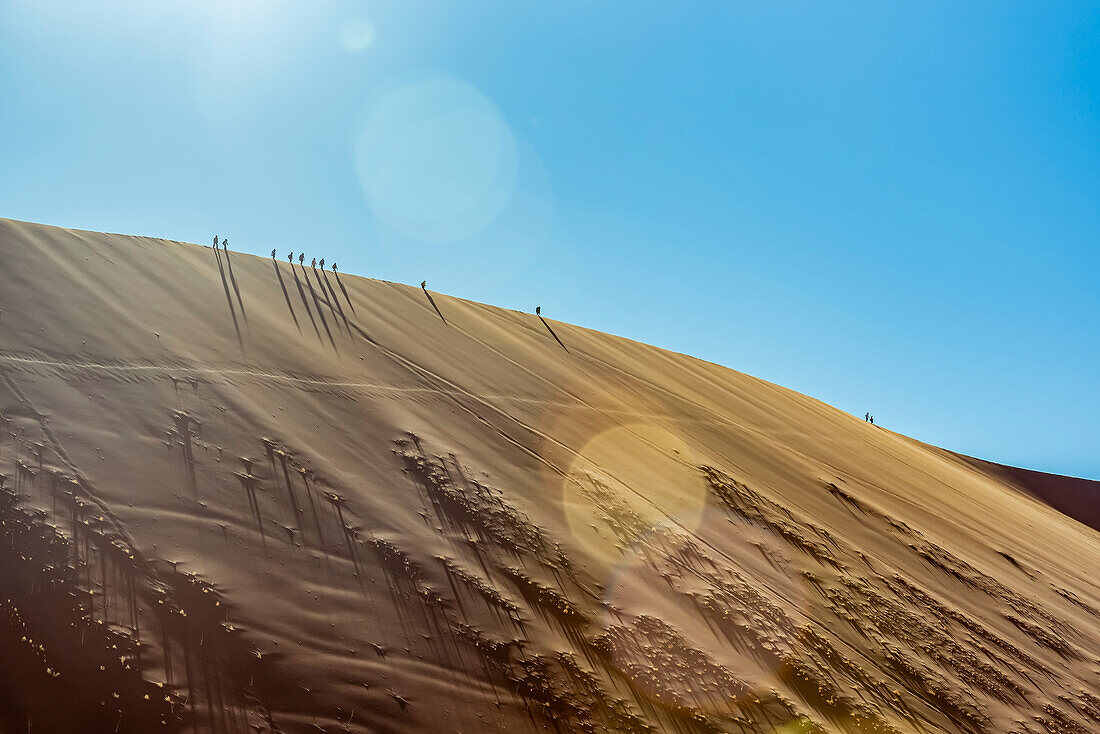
x,y
552,333
236,289
432,301
345,290
322,297
229,299
336,301
302,294
317,304
286,295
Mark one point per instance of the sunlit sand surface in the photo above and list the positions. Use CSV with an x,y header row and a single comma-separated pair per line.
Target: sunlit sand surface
x,y
243,495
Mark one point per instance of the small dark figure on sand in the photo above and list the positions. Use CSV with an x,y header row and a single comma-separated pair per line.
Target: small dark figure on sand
x,y
301,258
314,263
290,257
424,285
322,263
538,312
334,267
866,417
225,244
272,253
872,420
215,242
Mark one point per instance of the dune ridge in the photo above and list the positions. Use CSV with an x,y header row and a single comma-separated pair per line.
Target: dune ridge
x,y
242,495
1076,497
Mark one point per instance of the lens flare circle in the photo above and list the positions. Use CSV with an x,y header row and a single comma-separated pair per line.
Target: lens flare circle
x,y
628,482
357,35
436,159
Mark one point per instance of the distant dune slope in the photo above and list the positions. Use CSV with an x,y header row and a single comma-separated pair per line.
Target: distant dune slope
x,y
1078,498
241,495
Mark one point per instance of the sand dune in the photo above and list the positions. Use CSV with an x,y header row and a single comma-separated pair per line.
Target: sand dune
x,y
1076,497
243,495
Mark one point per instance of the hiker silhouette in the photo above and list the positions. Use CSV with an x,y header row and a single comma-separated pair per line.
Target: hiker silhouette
x,y
538,312
301,258
225,244
272,253
215,242
290,257
322,263
424,285
334,267
314,263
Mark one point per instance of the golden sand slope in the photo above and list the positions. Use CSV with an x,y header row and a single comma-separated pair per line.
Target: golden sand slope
x,y
242,495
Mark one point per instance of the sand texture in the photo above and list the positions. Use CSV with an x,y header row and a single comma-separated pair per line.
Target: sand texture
x,y
247,496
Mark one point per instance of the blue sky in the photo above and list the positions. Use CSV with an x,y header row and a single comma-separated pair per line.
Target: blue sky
x,y
892,207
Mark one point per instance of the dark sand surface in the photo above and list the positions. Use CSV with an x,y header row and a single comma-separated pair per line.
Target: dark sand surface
x,y
241,495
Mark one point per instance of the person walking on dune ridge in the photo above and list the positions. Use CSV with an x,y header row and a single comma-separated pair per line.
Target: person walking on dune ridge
x,y
272,253
322,263
313,264
290,257
215,242
302,259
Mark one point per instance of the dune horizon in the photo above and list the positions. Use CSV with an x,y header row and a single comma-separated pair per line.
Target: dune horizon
x,y
242,494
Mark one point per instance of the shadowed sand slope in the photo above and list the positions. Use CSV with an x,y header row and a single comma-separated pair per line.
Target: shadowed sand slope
x,y
246,496
1078,498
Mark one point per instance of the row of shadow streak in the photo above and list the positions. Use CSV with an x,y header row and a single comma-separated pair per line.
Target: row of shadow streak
x,y
323,285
